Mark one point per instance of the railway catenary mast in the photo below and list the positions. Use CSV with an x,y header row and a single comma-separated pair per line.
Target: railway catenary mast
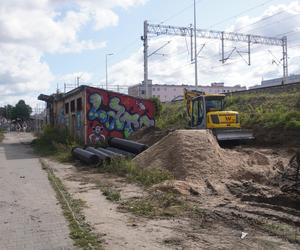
x,y
168,30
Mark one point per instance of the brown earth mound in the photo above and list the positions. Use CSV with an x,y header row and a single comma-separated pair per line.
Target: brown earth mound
x,y
191,155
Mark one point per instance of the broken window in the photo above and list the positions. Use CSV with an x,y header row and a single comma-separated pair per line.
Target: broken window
x,y
73,106
79,104
67,108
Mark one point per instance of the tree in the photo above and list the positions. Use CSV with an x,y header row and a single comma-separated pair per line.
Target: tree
x,y
6,111
21,111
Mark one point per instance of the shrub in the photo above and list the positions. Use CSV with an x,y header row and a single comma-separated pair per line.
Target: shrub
x,y
298,102
158,107
266,110
54,142
173,116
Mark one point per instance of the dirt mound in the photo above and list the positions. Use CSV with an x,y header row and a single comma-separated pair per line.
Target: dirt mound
x,y
191,155
149,135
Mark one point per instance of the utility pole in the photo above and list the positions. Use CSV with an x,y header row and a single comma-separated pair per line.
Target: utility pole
x,y
285,59
106,74
195,37
77,81
192,50
146,46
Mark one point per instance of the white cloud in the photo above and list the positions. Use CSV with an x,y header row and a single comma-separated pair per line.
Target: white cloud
x,y
72,77
30,28
175,68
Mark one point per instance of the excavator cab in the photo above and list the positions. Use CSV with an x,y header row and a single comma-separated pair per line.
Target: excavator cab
x,y
198,117
207,112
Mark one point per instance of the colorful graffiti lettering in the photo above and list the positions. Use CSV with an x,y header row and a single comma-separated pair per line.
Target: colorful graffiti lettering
x,y
113,114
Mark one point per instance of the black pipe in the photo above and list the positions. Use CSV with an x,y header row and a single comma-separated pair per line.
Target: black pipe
x,y
110,153
101,155
120,151
85,156
127,145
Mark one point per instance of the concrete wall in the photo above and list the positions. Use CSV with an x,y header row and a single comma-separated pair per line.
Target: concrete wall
x,y
72,119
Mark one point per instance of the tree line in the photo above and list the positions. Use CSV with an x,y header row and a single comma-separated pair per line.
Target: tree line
x,y
20,111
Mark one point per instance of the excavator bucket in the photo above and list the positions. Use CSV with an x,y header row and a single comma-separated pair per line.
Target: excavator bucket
x,y
233,134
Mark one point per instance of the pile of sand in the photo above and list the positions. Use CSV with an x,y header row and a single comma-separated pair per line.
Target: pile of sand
x,y
191,155
201,166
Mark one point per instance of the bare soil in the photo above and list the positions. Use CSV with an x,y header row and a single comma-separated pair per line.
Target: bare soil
x,y
224,207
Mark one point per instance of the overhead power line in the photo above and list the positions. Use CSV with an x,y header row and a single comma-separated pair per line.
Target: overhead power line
x,y
274,23
241,13
259,21
179,12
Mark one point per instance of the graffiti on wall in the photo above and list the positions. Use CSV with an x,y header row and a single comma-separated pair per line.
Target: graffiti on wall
x,y
116,115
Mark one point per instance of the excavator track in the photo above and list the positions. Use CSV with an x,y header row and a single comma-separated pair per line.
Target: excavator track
x,y
233,134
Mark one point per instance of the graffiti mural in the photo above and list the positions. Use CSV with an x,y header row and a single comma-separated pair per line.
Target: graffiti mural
x,y
112,114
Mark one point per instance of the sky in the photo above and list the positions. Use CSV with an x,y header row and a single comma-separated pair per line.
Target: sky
x,y
46,43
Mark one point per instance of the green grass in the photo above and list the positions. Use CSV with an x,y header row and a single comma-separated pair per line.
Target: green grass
x,y
55,143
173,116
132,172
111,194
265,110
80,230
270,111
157,204
1,135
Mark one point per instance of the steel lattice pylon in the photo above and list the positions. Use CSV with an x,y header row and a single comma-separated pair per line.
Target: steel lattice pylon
x,y
158,29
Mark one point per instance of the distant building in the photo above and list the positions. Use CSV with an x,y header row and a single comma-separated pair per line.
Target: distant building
x,y
278,81
168,93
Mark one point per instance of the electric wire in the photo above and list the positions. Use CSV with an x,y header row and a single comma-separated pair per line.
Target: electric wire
x,y
241,13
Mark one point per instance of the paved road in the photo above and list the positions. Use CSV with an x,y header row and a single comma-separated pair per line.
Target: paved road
x,y
30,216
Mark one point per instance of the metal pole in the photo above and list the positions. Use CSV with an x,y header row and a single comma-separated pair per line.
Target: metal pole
x,y
195,37
106,74
106,81
249,50
285,59
223,53
145,39
192,50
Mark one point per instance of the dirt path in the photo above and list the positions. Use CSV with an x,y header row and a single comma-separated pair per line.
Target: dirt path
x,y
30,216
123,230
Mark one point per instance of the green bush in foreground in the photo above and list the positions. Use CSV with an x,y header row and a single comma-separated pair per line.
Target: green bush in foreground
x,y
54,142
128,169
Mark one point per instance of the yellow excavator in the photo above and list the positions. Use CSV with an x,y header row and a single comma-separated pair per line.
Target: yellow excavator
x,y
206,111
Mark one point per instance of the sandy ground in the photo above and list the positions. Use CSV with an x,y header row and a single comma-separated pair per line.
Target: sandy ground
x,y
123,230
